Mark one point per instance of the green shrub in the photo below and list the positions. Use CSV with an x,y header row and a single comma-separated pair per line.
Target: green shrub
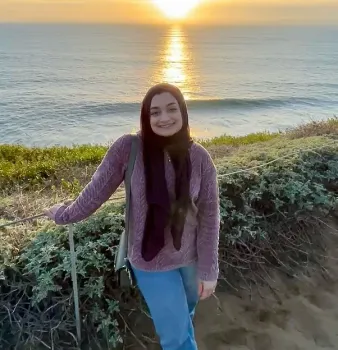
x,y
44,291
21,165
272,215
240,140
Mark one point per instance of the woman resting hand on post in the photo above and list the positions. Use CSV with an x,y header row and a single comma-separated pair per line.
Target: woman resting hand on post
x,y
174,208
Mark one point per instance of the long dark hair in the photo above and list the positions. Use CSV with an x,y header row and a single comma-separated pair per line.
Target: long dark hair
x,y
177,146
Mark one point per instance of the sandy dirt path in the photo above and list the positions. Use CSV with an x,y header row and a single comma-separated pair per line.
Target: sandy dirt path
x,y
303,315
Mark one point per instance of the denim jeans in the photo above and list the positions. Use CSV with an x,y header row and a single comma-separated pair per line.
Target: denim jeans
x,y
171,297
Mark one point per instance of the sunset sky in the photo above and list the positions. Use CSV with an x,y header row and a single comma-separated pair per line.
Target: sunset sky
x,y
144,11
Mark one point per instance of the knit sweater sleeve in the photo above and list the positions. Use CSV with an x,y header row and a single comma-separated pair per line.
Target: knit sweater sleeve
x,y
106,179
209,221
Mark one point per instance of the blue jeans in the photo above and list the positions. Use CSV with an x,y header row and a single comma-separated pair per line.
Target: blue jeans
x,y
171,297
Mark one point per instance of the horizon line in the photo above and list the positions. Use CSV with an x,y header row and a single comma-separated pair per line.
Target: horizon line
x,y
166,24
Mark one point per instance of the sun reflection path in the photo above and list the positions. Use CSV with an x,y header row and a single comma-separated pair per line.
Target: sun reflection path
x,y
176,62
176,66
174,70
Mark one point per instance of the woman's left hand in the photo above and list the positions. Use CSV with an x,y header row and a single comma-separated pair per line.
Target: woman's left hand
x,y
206,289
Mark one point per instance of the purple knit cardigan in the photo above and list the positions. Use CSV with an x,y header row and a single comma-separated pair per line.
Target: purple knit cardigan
x,y
201,231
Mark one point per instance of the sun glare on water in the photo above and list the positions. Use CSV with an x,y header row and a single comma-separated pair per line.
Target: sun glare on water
x,y
176,9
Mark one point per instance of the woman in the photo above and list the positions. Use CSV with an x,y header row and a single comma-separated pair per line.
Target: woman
x,y
174,224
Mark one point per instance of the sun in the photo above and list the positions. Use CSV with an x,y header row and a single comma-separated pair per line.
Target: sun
x,y
176,9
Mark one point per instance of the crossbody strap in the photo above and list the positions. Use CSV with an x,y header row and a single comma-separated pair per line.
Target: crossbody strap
x,y
127,179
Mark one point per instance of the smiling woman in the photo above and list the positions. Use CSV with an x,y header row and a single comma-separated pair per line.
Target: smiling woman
x,y
176,9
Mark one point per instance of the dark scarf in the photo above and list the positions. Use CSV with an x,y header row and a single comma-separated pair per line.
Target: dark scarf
x,y
162,212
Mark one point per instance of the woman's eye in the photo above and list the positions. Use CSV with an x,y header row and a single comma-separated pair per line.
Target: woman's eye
x,y
173,110
154,114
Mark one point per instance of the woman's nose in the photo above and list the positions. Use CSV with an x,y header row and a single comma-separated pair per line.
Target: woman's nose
x,y
164,116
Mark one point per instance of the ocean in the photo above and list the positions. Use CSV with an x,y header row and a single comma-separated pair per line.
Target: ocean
x,y
80,84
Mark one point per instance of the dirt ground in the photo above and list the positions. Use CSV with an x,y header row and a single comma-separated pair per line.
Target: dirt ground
x,y
304,317
298,313
301,314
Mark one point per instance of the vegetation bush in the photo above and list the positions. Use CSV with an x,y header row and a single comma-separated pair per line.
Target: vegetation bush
x,y
36,303
23,166
272,216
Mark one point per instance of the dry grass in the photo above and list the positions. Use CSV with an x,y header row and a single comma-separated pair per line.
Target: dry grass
x,y
221,151
315,128
21,205
25,204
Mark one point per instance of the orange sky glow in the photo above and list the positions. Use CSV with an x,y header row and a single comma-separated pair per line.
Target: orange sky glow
x,y
148,12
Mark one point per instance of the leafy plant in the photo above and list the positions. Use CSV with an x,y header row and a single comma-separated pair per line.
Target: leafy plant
x,y
273,215
46,264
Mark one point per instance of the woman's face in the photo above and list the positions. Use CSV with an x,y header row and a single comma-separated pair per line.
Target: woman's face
x,y
165,115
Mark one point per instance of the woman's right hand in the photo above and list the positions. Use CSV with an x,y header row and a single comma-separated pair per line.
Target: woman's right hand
x,y
51,212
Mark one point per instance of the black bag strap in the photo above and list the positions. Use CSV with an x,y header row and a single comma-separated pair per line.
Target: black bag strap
x,y
127,179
